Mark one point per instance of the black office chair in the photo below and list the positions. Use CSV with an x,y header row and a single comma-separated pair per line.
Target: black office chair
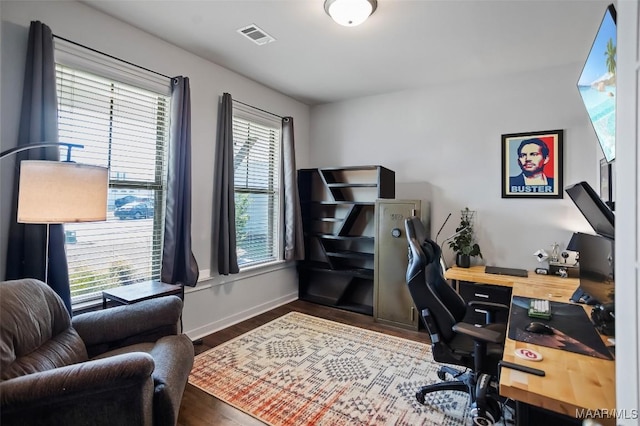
x,y
452,341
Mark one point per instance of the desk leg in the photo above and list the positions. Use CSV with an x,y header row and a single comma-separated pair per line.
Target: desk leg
x,y
522,414
104,302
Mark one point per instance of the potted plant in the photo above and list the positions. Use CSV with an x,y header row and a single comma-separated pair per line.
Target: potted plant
x,y
463,244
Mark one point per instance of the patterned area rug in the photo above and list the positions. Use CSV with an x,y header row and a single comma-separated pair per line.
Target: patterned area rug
x,y
303,370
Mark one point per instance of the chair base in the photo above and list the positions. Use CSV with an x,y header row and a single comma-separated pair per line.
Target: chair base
x,y
485,409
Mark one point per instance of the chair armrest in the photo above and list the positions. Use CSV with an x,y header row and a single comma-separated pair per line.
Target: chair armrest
x,y
478,333
79,392
490,309
145,321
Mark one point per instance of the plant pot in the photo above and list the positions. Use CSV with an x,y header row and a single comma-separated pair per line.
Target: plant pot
x,y
463,260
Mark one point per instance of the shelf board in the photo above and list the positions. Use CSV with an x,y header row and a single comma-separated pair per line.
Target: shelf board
x,y
353,307
345,202
344,237
356,307
328,219
349,254
353,272
340,169
329,301
352,185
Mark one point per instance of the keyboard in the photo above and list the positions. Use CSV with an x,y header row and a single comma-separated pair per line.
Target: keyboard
x,y
539,308
506,271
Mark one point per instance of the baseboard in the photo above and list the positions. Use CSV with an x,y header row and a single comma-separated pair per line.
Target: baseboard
x,y
223,323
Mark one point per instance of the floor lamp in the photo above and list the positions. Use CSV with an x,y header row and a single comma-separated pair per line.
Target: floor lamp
x,y
54,192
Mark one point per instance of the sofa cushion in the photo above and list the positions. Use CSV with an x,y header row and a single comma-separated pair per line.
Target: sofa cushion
x,y
35,330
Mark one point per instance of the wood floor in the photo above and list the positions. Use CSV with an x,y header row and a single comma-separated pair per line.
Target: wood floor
x,y
200,408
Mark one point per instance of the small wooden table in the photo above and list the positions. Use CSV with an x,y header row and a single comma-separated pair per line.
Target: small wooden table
x,y
133,293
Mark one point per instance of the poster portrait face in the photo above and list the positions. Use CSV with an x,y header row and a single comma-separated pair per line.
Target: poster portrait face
x,y
532,165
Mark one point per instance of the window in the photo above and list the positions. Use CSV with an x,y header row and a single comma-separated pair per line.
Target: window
x,y
256,155
124,127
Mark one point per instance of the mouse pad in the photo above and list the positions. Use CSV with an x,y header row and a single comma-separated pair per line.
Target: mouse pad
x,y
573,329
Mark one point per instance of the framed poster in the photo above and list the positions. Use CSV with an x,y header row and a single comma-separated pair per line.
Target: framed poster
x,y
532,165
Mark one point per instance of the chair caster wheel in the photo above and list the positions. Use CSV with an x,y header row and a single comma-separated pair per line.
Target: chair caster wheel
x,y
420,397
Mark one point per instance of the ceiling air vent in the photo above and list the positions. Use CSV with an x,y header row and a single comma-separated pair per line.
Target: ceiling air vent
x,y
256,35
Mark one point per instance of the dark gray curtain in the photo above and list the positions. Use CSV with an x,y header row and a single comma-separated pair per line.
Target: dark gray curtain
x,y
224,226
38,123
293,237
178,263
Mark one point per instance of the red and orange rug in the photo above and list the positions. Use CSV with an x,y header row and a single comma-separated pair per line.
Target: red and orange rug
x,y
302,370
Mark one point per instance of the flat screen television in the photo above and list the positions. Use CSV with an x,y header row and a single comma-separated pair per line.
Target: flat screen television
x,y
597,84
599,216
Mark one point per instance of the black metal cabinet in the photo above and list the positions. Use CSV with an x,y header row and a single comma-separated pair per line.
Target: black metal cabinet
x,y
338,213
485,293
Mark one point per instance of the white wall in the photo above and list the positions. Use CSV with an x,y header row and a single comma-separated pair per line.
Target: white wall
x,y
627,215
450,137
206,307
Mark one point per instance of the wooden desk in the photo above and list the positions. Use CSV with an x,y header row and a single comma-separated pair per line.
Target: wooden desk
x,y
573,381
476,274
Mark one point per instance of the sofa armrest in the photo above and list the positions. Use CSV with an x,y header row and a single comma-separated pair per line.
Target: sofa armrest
x,y
145,321
92,392
173,356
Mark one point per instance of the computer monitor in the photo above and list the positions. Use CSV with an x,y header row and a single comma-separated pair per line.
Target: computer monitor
x,y
597,278
599,216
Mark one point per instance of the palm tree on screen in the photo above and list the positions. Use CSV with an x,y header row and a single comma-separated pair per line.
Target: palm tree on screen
x,y
611,57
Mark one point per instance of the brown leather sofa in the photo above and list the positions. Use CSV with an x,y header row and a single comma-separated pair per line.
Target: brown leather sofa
x,y
126,365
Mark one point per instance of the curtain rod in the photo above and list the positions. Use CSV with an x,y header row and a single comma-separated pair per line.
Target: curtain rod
x,y
259,109
147,69
111,56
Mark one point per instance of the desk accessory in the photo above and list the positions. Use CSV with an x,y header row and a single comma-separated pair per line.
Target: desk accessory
x,y
579,296
528,354
569,319
564,270
498,270
555,255
541,255
539,308
523,368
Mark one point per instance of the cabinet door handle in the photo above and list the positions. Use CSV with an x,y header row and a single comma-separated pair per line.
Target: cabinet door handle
x,y
484,296
481,311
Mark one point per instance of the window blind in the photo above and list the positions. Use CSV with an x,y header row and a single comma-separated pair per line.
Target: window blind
x,y
124,128
256,149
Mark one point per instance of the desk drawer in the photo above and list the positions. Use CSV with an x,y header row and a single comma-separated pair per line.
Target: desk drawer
x,y
484,293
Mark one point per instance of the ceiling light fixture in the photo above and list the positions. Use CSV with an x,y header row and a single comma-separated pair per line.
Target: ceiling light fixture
x,y
350,12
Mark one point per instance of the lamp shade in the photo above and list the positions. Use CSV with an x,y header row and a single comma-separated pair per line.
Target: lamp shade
x,y
62,192
350,12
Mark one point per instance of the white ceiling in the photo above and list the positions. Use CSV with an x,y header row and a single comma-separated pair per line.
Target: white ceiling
x,y
404,44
